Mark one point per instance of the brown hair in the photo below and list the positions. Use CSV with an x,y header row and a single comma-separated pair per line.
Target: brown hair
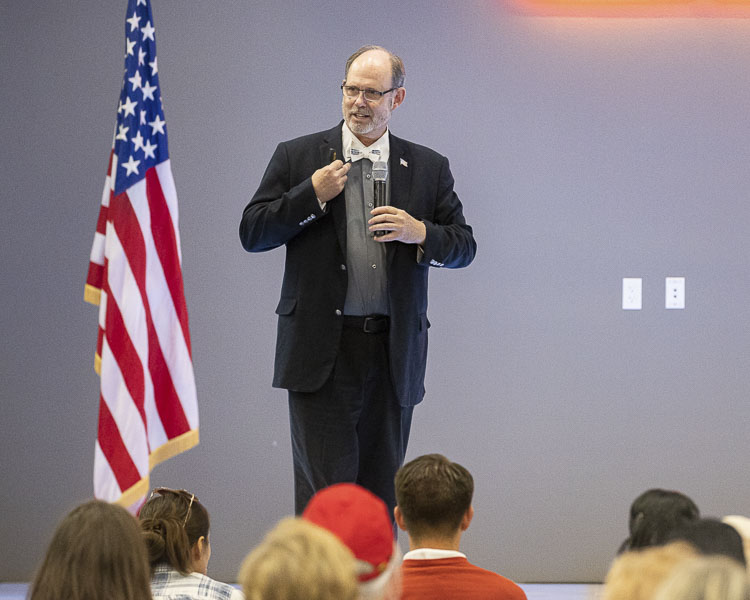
x,y
433,495
172,521
96,552
299,560
398,71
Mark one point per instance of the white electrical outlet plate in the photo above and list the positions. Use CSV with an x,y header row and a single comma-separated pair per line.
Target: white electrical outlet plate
x,y
632,298
674,296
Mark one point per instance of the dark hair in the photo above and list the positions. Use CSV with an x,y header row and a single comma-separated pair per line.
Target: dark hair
x,y
654,514
711,537
398,71
172,521
96,552
433,495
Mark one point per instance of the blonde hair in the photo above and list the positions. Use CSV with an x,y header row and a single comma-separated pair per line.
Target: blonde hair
x,y
636,575
742,526
706,578
298,560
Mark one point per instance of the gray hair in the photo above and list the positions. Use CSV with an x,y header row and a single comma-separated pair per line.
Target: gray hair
x,y
397,65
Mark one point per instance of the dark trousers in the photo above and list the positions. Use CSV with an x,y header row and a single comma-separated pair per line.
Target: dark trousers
x,y
352,429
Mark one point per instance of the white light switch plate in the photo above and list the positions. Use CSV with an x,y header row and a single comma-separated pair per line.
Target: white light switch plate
x,y
674,296
632,293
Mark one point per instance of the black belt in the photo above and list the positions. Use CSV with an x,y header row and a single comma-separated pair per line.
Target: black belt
x,y
369,324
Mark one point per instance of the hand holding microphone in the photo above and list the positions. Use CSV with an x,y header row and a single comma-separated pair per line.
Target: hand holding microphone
x,y
379,175
397,226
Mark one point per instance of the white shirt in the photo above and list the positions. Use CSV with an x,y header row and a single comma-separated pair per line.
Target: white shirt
x,y
432,554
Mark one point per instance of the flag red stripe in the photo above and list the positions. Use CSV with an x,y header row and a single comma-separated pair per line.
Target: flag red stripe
x,y
109,162
95,275
163,231
99,341
166,399
114,449
101,222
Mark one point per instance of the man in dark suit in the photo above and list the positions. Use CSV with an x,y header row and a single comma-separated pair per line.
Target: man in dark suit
x,y
351,345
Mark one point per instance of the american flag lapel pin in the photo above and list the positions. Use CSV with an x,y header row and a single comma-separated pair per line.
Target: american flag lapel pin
x,y
404,163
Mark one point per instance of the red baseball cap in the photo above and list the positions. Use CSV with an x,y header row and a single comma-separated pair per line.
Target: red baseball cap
x,y
359,519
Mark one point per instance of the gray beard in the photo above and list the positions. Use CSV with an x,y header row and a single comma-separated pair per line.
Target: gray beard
x,y
365,129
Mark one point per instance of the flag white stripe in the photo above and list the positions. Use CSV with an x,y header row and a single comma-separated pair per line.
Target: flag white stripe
x,y
166,180
105,482
97,249
111,177
106,192
103,309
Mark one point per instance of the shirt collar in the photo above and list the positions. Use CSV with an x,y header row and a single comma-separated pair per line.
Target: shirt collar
x,y
432,553
349,141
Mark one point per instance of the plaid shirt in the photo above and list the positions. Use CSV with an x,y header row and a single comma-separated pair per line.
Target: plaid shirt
x,y
168,584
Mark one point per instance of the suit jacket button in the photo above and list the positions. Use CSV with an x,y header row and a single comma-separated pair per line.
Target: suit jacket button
x,y
338,312
342,267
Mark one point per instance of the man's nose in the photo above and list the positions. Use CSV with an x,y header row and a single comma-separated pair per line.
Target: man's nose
x,y
360,99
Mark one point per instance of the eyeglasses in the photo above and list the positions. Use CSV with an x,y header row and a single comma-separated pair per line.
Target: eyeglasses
x,y
181,493
351,91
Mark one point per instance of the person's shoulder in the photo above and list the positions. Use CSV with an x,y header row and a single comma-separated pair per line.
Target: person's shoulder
x,y
314,138
164,576
511,589
416,150
217,590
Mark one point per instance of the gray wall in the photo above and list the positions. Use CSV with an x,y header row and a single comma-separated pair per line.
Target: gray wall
x,y
584,151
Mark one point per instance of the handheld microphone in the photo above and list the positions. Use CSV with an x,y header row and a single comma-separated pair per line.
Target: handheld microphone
x,y
379,175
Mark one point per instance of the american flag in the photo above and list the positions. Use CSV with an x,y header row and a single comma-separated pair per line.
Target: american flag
x,y
148,410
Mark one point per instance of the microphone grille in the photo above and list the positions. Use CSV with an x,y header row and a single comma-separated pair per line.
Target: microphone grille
x,y
380,170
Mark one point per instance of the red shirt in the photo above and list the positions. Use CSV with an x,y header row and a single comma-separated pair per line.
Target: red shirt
x,y
453,578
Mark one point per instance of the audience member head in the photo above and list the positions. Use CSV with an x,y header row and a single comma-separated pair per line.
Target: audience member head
x,y
176,530
742,525
433,497
360,520
96,552
710,536
654,514
298,560
636,575
706,578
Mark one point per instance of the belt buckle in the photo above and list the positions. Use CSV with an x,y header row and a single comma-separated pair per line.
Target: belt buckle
x,y
365,324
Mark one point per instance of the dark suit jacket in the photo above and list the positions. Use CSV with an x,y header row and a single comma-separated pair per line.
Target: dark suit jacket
x,y
285,210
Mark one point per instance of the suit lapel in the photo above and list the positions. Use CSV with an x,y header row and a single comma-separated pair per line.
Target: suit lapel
x,y
400,174
332,144
398,167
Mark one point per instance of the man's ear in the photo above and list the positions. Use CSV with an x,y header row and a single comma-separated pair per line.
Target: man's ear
x,y
466,520
398,98
399,517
